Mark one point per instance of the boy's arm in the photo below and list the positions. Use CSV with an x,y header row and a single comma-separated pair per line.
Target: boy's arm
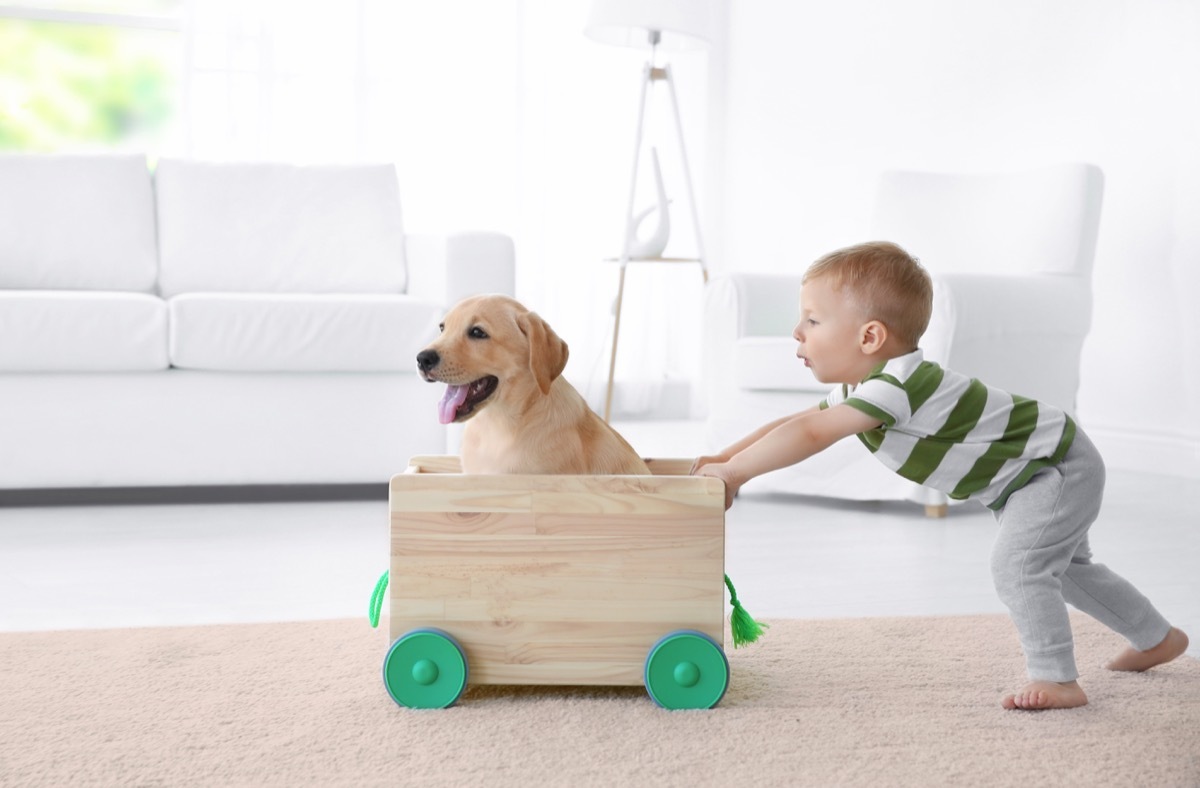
x,y
728,452
791,441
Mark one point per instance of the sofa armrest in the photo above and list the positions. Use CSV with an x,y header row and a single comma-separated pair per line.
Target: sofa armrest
x,y
766,305
985,305
1022,333
741,308
448,268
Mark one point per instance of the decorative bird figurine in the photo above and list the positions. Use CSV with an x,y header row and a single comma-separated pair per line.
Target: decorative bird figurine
x,y
653,245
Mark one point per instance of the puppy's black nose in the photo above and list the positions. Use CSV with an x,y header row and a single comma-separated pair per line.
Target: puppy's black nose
x,y
427,360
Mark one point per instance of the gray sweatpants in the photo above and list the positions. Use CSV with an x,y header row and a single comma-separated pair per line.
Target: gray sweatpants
x,y
1041,561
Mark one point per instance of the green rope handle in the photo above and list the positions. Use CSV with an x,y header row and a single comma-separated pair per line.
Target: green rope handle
x,y
377,600
745,628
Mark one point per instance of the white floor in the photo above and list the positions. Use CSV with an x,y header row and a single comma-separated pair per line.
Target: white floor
x,y
148,565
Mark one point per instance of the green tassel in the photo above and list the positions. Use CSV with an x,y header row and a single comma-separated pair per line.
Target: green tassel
x,y
745,628
377,600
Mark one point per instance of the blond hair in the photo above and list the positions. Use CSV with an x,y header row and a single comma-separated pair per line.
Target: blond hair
x,y
885,282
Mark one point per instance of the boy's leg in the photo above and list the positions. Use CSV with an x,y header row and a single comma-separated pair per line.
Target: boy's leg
x,y
1103,594
1112,600
1033,547
1040,529
1042,559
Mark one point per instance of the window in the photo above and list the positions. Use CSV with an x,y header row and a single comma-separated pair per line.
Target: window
x,y
89,74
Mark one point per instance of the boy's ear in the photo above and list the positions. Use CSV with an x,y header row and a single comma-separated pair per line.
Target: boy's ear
x,y
872,337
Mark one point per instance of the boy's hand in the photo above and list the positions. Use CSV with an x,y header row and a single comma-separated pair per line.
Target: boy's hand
x,y
722,471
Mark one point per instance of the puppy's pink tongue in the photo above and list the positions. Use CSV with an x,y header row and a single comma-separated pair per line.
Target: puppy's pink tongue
x,y
453,399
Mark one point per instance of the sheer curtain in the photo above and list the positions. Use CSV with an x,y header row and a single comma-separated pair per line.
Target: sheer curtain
x,y
499,115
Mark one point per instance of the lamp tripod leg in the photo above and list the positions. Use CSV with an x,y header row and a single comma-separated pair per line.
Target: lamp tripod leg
x,y
612,360
647,80
687,172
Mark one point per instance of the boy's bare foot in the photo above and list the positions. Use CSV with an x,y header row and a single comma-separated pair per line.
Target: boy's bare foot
x,y
1046,695
1174,644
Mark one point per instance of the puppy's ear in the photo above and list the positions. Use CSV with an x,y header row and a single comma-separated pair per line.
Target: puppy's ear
x,y
547,352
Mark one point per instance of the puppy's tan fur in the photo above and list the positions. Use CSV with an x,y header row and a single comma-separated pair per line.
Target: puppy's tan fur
x,y
534,421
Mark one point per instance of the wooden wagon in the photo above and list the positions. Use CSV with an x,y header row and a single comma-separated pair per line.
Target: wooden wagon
x,y
579,580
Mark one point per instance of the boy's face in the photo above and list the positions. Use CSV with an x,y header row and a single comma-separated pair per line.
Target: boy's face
x,y
830,333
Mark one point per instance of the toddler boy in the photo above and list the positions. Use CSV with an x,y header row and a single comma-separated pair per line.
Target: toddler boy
x,y
862,311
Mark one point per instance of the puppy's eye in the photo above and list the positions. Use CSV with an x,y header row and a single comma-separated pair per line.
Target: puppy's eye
x,y
441,328
477,333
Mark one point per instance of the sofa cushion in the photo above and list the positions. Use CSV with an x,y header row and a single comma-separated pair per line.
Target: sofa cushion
x,y
277,228
300,333
770,363
76,223
43,331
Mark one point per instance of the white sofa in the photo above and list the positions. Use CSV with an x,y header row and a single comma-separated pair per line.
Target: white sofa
x,y
218,324
1011,258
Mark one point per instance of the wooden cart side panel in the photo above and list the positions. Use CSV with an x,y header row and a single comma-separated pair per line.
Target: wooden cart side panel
x,y
557,580
526,523
435,463
545,653
608,495
670,467
445,463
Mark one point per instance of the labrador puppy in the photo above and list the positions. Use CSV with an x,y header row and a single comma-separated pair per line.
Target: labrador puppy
x,y
502,366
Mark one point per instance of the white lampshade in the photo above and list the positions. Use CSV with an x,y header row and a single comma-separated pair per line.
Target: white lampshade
x,y
683,24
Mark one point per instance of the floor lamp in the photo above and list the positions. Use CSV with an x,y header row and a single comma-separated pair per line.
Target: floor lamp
x,y
653,24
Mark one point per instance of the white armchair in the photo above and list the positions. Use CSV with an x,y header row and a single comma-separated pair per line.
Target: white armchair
x,y
1011,258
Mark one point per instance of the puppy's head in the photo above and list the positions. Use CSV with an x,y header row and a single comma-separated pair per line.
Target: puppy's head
x,y
492,351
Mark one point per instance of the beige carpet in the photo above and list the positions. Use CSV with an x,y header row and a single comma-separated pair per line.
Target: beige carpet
x,y
898,701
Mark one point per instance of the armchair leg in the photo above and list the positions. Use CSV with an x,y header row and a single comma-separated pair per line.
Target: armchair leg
x,y
936,510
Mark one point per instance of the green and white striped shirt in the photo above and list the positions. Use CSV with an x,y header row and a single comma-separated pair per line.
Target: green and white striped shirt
x,y
953,433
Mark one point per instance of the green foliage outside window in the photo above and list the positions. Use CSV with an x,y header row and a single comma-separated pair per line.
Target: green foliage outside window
x,y
71,85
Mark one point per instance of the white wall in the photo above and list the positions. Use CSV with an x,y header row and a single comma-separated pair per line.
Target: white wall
x,y
818,98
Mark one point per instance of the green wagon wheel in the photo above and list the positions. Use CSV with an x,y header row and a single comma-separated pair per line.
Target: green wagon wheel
x,y
425,669
687,670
